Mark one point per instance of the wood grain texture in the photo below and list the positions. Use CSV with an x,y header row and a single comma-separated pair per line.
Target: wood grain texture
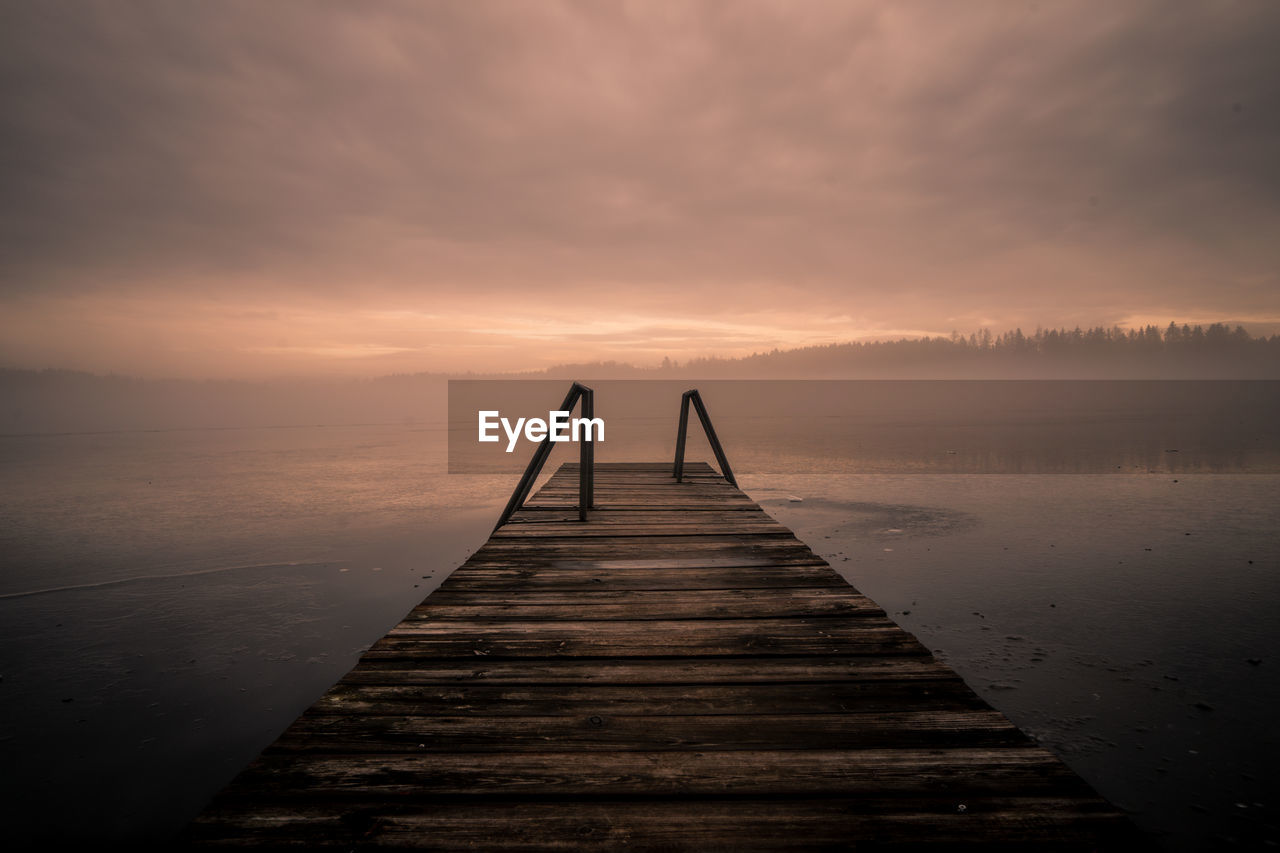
x,y
677,673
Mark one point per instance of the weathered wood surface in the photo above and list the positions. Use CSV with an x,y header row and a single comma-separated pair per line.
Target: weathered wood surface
x,y
679,673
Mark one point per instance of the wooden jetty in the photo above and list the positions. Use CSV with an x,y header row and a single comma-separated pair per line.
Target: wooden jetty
x,y
678,673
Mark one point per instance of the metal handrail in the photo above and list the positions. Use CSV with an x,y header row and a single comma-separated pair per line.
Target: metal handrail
x,y
586,460
700,407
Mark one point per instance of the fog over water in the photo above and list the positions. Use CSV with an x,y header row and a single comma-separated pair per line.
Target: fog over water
x,y
170,600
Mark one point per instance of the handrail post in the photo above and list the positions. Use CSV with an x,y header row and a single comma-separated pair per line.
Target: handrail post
x,y
586,476
678,470
586,457
712,439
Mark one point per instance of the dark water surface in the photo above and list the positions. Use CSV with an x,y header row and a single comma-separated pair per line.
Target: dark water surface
x,y
1126,622
170,601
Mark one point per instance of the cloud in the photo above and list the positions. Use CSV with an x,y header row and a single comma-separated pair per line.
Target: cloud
x,y
916,165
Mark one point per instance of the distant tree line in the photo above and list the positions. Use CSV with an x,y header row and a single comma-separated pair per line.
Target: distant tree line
x,y
1177,351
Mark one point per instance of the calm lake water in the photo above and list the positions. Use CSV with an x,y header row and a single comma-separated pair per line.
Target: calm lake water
x,y
170,601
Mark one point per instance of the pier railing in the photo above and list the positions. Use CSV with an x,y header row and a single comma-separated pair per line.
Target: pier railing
x,y
586,451
693,396
586,460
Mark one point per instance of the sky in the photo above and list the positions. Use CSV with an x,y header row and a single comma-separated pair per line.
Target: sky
x,y
247,189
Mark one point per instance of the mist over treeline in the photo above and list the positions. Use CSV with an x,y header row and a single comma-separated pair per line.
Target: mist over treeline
x,y
59,401
1175,352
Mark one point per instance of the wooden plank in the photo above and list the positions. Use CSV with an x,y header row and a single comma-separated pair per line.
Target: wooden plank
x,y
643,638
443,823
510,734
659,543
580,529
523,606
650,672
538,578
649,541
839,772
864,629
586,700
639,503
707,603
510,645
655,488
753,550
590,556
609,517
698,560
